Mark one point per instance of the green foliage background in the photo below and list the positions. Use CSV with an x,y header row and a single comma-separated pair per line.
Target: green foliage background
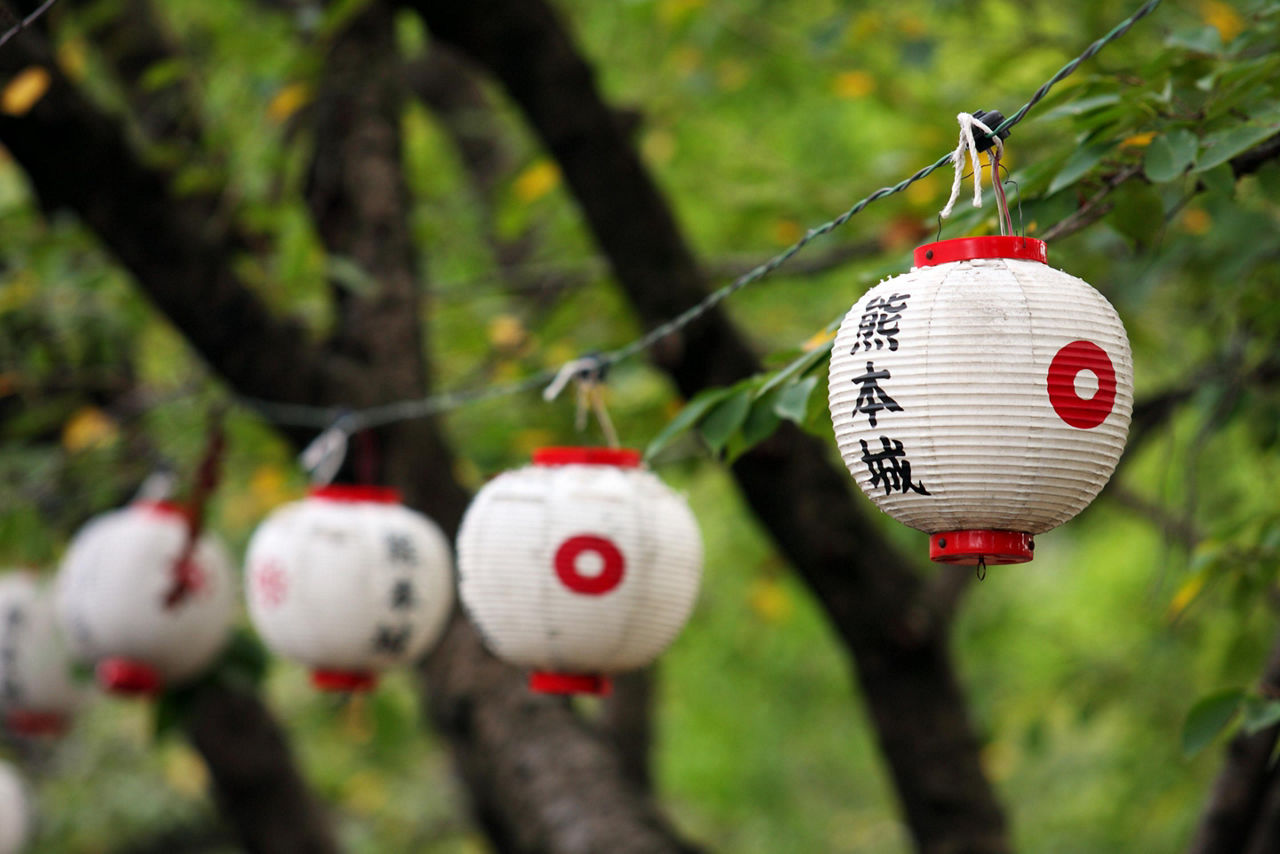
x,y
760,119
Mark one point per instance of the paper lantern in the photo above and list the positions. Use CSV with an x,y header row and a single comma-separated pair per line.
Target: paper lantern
x,y
580,565
133,601
15,811
38,693
349,582
984,397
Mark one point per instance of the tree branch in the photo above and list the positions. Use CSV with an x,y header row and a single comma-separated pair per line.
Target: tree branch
x,y
1235,804
867,589
540,779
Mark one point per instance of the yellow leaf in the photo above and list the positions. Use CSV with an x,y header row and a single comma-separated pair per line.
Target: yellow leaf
x,y
1186,594
732,75
88,427
787,231
675,12
507,333
921,192
185,771
527,440
818,339
659,146
72,58
536,181
1140,140
1223,18
22,92
853,84
1195,221
769,600
912,26
288,101
686,59
365,793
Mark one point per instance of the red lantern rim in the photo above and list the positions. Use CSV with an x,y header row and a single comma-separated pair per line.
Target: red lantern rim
x,y
989,246
626,458
161,507
354,492
990,547
347,681
546,682
33,723
127,676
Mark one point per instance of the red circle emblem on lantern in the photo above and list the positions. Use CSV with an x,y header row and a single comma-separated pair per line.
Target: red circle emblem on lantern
x,y
1085,413
566,563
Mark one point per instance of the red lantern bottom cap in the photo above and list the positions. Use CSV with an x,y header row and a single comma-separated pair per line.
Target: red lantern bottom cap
x,y
32,723
126,676
544,682
991,547
350,681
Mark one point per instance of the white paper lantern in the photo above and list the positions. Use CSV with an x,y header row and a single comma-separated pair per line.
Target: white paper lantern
x,y
580,565
984,397
38,693
15,811
349,582
132,605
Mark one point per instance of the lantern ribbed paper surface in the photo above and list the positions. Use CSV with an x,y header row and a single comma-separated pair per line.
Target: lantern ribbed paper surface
x,y
348,582
121,604
983,397
580,565
15,811
39,694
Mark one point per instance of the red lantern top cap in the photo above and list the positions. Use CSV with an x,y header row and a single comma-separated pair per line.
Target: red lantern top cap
x,y
356,492
621,457
164,508
990,246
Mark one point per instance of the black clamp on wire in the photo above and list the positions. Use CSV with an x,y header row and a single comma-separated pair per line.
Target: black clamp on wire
x,y
992,119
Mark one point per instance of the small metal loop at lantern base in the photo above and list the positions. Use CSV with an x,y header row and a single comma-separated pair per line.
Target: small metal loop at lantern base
x,y
992,548
125,676
346,681
32,724
544,682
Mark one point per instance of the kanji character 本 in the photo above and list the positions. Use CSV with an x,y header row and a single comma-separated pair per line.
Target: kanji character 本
x,y
872,398
890,468
879,323
402,594
400,549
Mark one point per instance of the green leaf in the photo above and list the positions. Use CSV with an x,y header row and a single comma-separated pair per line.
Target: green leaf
x,y
1259,713
1220,180
1078,165
798,367
686,418
1197,40
1138,213
1221,147
725,418
762,420
1170,155
793,400
1080,107
1209,717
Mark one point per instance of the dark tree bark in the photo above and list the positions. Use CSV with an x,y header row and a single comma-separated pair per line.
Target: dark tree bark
x,y
540,779
869,591
1235,811
256,783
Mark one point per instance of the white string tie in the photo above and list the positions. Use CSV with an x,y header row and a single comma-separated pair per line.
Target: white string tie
x,y
967,124
567,372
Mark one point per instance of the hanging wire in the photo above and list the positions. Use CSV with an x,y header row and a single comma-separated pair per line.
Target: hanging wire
x,y
299,415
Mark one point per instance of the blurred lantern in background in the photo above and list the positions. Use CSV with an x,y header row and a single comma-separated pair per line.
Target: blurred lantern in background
x,y
15,811
580,565
38,692
349,582
984,397
143,601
